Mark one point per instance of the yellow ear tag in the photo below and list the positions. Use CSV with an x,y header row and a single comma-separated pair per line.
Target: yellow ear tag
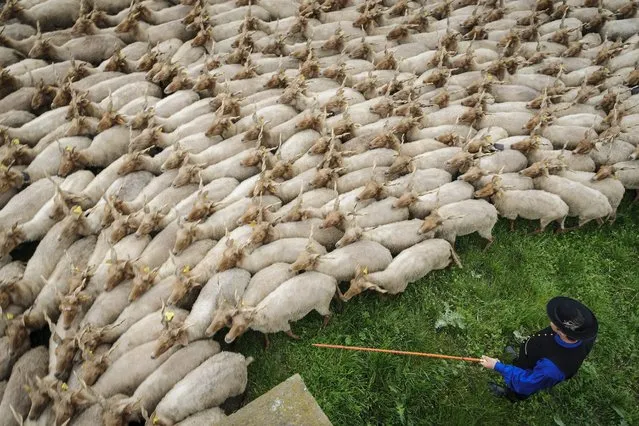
x,y
186,269
489,77
146,270
365,271
27,388
489,138
156,419
67,148
107,262
64,387
77,210
168,316
9,316
15,141
253,224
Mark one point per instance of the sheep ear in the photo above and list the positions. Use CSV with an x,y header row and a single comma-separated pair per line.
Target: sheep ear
x,y
183,338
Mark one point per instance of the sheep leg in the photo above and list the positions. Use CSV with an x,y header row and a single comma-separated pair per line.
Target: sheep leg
x,y
292,335
327,319
490,243
267,342
512,225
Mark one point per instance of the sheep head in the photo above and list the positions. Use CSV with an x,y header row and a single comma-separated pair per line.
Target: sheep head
x,y
43,96
63,95
11,238
117,413
222,126
187,174
65,353
144,279
402,165
462,161
604,172
42,49
18,153
372,189
306,260
117,62
203,36
205,83
119,270
148,138
143,119
66,403
231,256
431,222
183,283
360,284
151,220
352,234
10,178
94,366
70,160
17,333
171,335
405,200
71,304
179,82
223,318
491,188
186,234
109,119
473,174
202,208
40,394
240,323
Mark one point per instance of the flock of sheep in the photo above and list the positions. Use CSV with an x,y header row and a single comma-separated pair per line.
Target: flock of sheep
x,y
217,164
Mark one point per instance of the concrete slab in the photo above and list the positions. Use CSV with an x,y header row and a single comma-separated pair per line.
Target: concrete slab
x,y
287,404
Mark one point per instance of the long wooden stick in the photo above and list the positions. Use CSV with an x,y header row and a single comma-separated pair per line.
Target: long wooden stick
x,y
389,351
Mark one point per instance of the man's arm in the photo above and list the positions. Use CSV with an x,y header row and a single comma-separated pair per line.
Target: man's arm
x,y
526,382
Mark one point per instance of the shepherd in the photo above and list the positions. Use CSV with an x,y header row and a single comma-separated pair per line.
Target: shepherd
x,y
549,357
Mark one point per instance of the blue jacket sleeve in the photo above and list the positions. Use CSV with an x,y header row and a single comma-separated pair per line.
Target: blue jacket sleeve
x,y
526,382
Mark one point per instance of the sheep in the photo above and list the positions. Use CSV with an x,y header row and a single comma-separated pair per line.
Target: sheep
x,y
119,378
507,161
149,393
530,204
42,263
46,302
215,226
584,202
191,256
285,304
31,364
341,263
37,128
408,266
223,287
282,250
302,229
263,282
144,329
613,189
53,210
436,159
211,383
462,218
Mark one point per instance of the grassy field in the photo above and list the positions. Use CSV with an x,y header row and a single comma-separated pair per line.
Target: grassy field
x,y
499,295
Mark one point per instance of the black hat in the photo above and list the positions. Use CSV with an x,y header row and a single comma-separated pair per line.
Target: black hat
x,y
572,317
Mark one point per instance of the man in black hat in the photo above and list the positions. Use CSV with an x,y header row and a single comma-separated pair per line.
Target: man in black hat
x,y
552,355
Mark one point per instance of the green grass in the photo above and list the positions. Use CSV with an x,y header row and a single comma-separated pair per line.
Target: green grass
x,y
498,292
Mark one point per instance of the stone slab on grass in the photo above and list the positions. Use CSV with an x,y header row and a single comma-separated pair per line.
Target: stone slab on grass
x,y
287,404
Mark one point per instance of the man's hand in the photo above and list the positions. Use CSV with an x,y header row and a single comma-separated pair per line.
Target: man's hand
x,y
488,362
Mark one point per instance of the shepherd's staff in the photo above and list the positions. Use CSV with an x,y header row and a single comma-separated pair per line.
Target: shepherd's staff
x,y
389,351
